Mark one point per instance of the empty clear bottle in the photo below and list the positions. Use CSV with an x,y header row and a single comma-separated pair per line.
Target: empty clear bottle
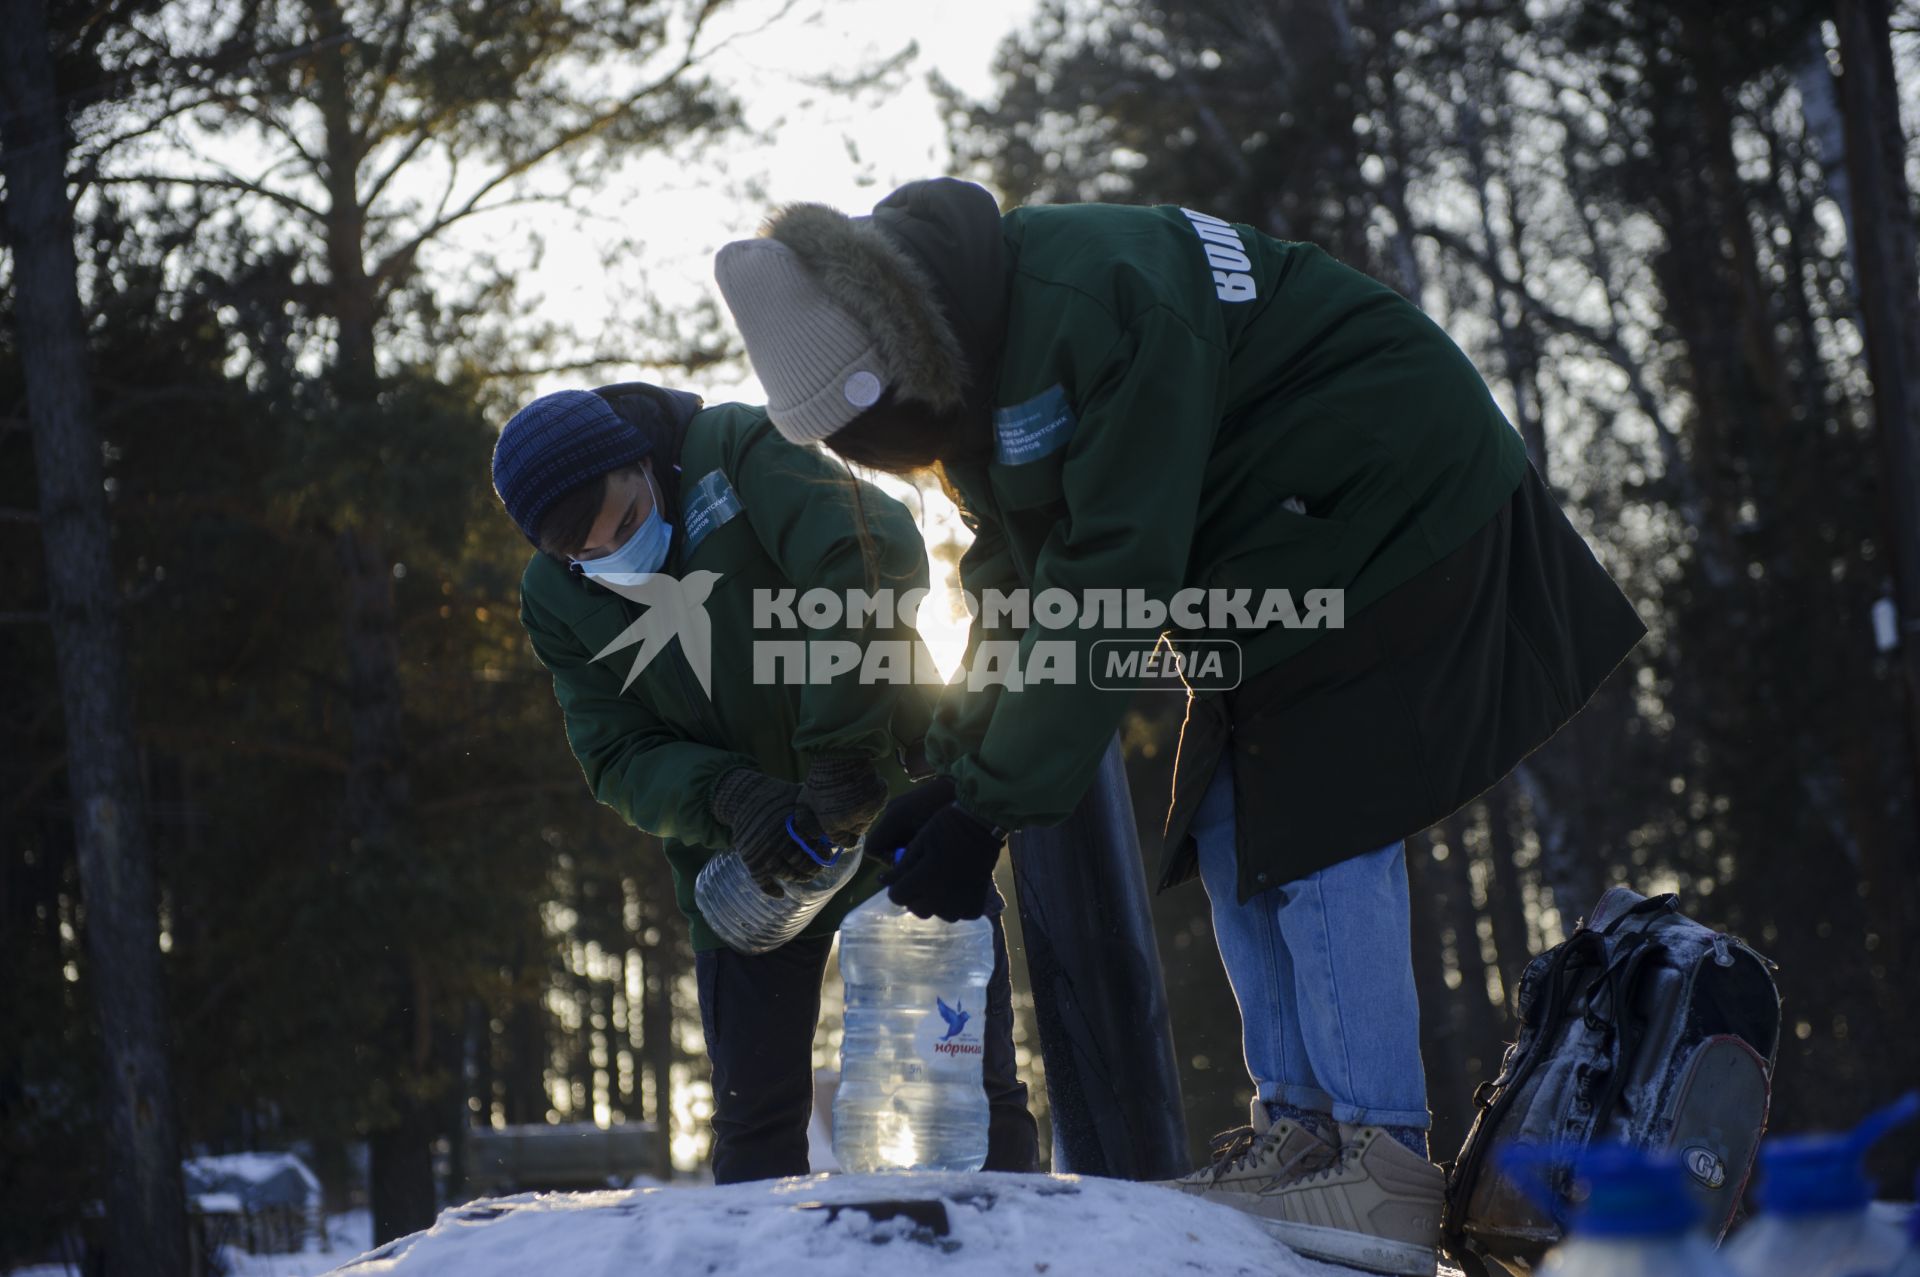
x,y
1814,1216
749,919
1909,1265
1636,1218
910,1094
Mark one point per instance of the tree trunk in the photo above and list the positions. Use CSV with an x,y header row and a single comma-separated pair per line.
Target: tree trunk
x,y
400,1172
334,1169
1505,904
1440,1033
1826,131
1480,1022
401,1182
524,1079
479,1064
1889,290
352,299
145,1204
660,971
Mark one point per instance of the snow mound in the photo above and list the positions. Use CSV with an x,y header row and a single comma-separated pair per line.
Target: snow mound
x,y
980,1225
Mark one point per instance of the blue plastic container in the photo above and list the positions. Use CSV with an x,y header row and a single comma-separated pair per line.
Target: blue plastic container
x,y
1633,1215
1815,1196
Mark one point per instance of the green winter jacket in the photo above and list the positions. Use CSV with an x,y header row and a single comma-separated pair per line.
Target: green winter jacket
x,y
1180,403
760,514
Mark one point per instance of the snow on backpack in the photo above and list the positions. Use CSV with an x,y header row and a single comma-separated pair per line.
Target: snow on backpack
x,y
1643,1027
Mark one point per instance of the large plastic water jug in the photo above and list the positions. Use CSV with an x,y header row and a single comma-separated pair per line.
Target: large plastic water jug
x,y
1635,1217
1815,1196
910,1094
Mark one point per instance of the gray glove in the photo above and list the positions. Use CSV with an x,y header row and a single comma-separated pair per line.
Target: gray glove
x,y
754,807
843,794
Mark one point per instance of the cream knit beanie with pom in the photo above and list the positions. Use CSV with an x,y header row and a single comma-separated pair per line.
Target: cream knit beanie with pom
x,y
819,366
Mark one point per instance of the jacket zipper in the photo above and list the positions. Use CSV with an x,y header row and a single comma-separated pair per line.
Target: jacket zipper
x,y
699,707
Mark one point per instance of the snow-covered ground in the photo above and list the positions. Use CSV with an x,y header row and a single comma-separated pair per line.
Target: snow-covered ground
x,y
981,1225
347,1235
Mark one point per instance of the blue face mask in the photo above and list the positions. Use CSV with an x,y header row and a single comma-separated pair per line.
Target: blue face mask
x,y
644,551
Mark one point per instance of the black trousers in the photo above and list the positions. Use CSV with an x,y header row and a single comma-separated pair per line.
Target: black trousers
x,y
759,1012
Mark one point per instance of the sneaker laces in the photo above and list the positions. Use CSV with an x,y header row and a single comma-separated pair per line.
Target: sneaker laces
x,y
1232,1150
1348,1155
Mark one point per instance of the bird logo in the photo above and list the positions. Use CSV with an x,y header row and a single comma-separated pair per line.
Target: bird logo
x,y
676,608
955,1017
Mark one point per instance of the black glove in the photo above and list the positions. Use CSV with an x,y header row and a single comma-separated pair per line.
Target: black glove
x,y
755,807
844,794
904,816
947,871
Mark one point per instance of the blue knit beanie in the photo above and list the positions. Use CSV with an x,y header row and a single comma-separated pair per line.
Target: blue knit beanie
x,y
555,444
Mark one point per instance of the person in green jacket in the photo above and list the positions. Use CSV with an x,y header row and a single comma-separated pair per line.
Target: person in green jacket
x,y
658,524
1171,425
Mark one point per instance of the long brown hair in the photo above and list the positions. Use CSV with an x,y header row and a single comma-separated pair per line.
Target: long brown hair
x,y
907,438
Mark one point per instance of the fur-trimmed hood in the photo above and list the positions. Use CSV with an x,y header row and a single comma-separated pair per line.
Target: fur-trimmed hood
x,y
924,275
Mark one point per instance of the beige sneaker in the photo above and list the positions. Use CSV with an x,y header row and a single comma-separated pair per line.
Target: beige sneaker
x,y
1376,1207
1257,1159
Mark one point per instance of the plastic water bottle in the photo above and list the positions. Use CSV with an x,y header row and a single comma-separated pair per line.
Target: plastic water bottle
x,y
1815,1196
910,1094
1909,1265
1636,1220
751,921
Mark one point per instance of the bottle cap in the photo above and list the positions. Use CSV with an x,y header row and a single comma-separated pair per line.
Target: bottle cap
x,y
1619,1190
1819,1174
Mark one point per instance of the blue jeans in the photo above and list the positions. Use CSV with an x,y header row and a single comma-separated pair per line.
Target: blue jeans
x,y
1323,971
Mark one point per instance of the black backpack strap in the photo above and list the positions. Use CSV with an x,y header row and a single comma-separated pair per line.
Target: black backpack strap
x,y
1622,979
1549,1011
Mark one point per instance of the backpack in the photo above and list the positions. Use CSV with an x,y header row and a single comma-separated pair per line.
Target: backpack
x,y
1644,1027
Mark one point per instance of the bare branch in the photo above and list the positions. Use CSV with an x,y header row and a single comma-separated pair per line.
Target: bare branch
x,y
98,151
707,11
397,260
241,185
389,68
1607,342
394,266
379,184
585,363
272,123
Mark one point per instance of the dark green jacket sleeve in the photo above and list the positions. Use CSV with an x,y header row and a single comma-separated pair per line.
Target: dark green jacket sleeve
x,y
1132,479
804,510
655,779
